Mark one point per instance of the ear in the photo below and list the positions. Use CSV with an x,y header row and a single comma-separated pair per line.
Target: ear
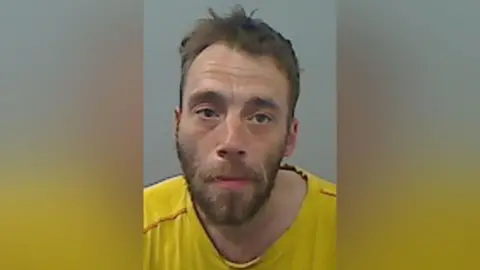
x,y
178,116
292,138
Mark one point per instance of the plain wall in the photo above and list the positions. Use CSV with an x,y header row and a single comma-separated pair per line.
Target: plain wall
x,y
311,25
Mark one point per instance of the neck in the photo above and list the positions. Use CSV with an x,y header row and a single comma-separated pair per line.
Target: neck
x,y
248,241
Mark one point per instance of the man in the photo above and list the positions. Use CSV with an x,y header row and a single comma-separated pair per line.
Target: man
x,y
236,206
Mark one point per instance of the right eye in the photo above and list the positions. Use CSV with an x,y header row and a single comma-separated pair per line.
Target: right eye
x,y
207,113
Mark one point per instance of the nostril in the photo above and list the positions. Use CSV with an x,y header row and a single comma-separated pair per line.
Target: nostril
x,y
224,153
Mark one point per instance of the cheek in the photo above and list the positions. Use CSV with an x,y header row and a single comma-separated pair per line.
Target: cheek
x,y
269,141
187,143
189,127
275,150
196,144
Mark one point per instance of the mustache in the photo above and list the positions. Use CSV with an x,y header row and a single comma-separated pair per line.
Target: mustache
x,y
235,169
209,172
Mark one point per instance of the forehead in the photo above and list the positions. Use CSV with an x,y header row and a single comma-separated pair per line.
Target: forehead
x,y
233,72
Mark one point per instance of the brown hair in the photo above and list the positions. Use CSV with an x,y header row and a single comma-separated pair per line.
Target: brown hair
x,y
253,36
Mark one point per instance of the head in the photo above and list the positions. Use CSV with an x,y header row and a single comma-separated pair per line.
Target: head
x,y
236,116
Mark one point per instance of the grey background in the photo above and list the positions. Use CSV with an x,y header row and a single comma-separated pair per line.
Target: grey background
x,y
311,25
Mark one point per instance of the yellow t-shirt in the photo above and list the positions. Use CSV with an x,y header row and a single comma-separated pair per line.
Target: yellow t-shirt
x,y
174,239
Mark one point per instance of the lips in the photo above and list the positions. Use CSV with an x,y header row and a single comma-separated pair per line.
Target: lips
x,y
231,179
232,182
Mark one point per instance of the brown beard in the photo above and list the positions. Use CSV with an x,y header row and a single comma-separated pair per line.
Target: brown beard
x,y
228,207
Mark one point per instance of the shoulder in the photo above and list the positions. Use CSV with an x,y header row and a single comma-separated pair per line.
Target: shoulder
x,y
317,185
164,201
323,195
324,187
322,199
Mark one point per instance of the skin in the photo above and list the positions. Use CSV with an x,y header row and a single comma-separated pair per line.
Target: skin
x,y
234,122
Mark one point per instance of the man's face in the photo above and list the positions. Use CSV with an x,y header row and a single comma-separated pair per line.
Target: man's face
x,y
233,132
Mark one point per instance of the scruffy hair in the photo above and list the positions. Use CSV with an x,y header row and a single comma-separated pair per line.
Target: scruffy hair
x,y
241,31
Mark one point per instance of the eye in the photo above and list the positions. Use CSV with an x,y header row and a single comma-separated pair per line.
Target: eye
x,y
260,118
206,113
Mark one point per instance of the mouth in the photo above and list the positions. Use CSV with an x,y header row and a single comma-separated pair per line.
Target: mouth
x,y
232,182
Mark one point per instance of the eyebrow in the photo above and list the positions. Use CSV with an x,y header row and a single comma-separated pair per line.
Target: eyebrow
x,y
264,103
211,96
205,96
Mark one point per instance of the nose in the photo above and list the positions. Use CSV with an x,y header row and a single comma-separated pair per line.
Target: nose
x,y
232,145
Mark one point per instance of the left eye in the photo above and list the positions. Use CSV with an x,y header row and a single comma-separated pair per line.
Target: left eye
x,y
261,118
